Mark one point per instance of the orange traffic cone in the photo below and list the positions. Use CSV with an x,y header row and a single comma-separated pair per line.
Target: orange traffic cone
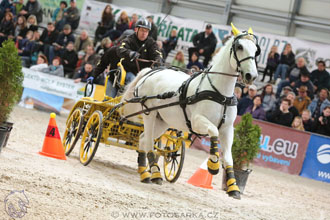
x,y
202,177
53,146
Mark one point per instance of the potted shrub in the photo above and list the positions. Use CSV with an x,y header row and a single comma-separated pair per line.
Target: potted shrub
x,y
245,148
11,80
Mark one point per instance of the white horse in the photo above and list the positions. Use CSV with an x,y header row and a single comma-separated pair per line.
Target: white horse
x,y
237,56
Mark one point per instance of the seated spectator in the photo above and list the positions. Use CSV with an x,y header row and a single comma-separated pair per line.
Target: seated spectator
x,y
293,74
58,16
268,98
170,43
297,123
319,103
63,39
304,81
48,37
55,68
70,59
134,19
5,6
322,123
84,73
25,49
272,62
238,92
204,44
292,97
256,109
178,60
82,41
194,61
32,7
247,100
6,27
320,77
121,26
287,59
105,45
42,63
18,6
91,56
81,56
107,23
161,49
20,29
154,30
307,121
32,24
71,16
302,101
282,116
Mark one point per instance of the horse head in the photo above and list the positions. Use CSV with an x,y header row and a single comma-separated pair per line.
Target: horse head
x,y
244,51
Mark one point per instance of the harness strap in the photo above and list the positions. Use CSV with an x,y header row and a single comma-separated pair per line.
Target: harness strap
x,y
148,74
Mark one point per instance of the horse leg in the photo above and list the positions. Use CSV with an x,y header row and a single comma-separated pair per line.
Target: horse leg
x,y
226,136
142,164
202,125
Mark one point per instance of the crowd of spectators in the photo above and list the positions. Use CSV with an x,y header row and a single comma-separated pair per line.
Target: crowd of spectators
x,y
293,97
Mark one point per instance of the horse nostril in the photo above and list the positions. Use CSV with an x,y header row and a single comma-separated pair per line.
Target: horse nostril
x,y
248,76
254,78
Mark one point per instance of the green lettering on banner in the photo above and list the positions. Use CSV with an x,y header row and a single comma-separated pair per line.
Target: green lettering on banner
x,y
193,34
162,29
181,34
116,12
188,30
168,32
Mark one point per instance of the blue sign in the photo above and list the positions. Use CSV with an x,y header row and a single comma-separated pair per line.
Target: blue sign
x,y
317,161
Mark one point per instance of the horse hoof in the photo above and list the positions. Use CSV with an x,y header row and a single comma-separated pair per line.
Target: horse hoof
x,y
235,194
157,181
213,172
147,180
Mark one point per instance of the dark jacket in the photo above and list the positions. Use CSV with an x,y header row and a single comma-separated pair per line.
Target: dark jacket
x,y
72,58
310,87
49,37
147,49
321,79
302,70
281,118
7,27
243,104
288,59
273,61
154,31
208,44
322,128
196,63
34,8
109,58
63,39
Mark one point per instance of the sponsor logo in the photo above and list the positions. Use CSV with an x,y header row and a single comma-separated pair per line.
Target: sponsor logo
x,y
323,154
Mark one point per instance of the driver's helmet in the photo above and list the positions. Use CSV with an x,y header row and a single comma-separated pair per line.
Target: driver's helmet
x,y
143,23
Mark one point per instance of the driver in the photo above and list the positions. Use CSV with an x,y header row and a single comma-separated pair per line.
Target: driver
x,y
137,45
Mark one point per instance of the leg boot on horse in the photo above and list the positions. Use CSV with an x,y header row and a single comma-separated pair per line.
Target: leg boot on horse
x,y
232,188
156,176
213,164
142,169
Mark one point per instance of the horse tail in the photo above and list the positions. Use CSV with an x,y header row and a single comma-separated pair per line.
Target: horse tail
x,y
129,93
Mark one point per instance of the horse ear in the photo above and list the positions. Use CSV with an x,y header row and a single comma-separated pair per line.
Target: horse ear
x,y
250,31
235,30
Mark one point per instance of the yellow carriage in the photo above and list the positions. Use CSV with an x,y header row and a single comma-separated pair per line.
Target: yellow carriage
x,y
95,122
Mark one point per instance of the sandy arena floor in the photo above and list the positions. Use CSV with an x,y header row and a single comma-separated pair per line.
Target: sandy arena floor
x,y
109,187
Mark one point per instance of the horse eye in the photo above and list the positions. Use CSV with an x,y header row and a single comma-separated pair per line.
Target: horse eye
x,y
240,47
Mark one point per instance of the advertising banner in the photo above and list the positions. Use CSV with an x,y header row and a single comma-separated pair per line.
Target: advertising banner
x,y
317,161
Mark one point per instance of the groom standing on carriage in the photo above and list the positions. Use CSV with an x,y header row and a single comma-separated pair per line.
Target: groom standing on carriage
x,y
138,45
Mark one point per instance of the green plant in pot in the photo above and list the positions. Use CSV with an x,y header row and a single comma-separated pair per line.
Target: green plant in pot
x,y
11,80
245,148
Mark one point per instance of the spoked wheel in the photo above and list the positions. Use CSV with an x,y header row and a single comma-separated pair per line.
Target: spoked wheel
x,y
91,138
173,161
73,131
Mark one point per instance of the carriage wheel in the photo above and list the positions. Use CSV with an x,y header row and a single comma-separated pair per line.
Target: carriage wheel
x,y
73,131
91,138
173,161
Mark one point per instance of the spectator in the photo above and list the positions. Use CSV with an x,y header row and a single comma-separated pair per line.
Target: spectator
x,y
121,26
70,60
247,100
63,39
55,68
170,43
161,49
194,61
294,111
18,6
298,123
256,108
154,30
91,56
238,92
305,81
320,77
319,103
42,63
32,24
105,45
204,44
58,16
287,59
84,73
25,49
20,28
5,6
32,7
81,55
282,115
268,98
82,41
107,23
272,62
302,101
293,74
72,15
6,27
322,124
48,37
178,60
307,121
134,19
